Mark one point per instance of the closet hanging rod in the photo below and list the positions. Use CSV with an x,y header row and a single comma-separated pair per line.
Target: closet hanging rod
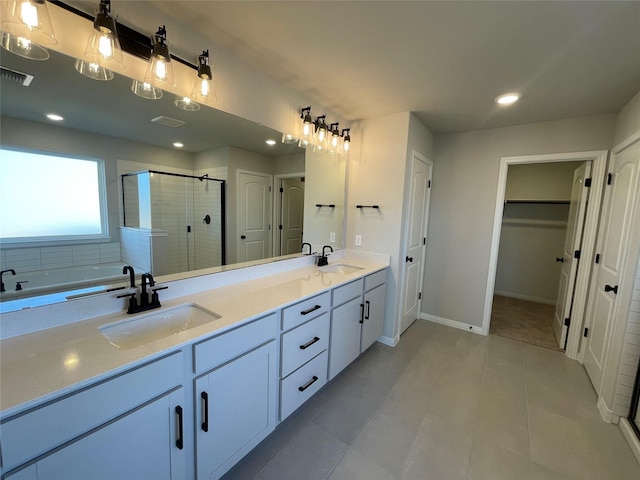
x,y
548,202
330,205
368,206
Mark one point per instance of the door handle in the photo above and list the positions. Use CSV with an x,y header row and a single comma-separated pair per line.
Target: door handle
x,y
409,259
559,259
243,237
609,288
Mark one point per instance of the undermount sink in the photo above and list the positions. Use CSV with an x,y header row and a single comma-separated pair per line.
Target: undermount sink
x,y
340,269
162,323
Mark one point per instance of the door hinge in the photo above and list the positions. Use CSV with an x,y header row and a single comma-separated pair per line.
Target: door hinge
x,y
188,228
576,254
424,240
279,227
609,178
269,187
586,332
419,295
587,182
429,184
281,189
567,322
597,258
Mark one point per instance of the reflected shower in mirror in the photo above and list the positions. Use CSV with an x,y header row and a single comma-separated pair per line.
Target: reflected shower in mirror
x,y
105,121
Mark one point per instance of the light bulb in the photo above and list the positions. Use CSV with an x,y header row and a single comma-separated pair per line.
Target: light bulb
x,y
306,129
105,47
29,14
161,69
204,87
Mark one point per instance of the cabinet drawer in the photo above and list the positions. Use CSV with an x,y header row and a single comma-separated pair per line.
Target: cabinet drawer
x,y
44,428
304,311
304,342
375,279
229,345
302,384
347,292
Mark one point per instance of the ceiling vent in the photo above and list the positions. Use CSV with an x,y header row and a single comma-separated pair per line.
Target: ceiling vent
x,y
15,76
168,121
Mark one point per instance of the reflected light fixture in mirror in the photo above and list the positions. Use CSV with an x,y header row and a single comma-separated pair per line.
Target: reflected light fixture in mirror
x,y
26,26
146,90
289,139
185,103
93,70
160,70
307,129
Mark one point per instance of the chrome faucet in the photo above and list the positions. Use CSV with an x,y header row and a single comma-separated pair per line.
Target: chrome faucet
x,y
305,243
322,261
11,271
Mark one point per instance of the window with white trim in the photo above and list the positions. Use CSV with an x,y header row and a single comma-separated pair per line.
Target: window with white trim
x,y
47,197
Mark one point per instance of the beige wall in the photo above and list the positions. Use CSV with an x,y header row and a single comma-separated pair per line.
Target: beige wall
x,y
463,200
628,121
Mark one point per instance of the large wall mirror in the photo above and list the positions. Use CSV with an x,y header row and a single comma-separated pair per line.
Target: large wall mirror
x,y
226,199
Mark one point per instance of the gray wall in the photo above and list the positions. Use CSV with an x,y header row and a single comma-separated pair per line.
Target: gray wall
x,y
463,200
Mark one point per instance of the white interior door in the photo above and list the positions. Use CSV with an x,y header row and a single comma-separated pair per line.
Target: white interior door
x,y
572,242
415,240
254,214
291,215
612,247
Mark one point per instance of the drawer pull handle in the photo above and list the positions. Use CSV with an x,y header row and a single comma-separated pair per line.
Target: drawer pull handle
x,y
205,411
361,313
366,317
312,309
308,384
179,439
309,343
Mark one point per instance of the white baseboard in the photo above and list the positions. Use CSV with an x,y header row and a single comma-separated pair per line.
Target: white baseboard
x,y
392,342
452,323
631,437
606,413
525,297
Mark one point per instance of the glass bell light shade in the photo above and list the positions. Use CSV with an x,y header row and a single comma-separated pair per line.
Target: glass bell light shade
x,y
93,70
160,69
103,46
146,90
203,86
186,103
346,141
321,132
307,129
289,139
23,47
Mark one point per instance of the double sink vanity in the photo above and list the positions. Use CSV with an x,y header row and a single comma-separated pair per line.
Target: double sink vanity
x,y
186,390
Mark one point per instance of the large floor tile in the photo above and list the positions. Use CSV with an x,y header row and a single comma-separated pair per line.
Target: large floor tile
x,y
354,466
490,461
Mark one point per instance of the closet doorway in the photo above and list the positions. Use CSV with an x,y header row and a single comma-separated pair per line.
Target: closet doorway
x,y
541,229
532,216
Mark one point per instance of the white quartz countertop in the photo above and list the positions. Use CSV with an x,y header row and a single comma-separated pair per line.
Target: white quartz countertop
x,y
39,366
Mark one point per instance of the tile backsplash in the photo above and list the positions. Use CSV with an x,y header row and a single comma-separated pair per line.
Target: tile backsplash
x,y
47,258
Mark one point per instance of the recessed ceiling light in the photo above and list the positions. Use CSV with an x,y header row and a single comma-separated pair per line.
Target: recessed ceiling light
x,y
55,117
270,142
178,144
508,99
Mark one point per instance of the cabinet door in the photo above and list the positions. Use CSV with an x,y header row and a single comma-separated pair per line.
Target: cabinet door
x,y
345,335
373,317
141,444
235,410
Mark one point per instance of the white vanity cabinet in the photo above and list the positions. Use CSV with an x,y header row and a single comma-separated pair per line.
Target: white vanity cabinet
x,y
100,433
356,319
236,398
304,342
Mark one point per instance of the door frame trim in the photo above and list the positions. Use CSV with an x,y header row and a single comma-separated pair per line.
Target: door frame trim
x,y
598,169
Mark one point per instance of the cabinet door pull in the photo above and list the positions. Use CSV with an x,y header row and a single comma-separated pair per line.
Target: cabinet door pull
x,y
309,343
362,313
312,309
308,384
366,317
179,439
205,411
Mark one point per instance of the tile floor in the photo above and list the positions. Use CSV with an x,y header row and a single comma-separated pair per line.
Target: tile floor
x,y
529,322
448,404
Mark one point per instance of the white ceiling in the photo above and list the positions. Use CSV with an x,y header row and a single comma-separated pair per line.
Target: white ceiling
x,y
446,61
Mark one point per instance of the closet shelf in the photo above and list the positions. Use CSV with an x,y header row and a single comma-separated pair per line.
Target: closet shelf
x,y
534,223
550,202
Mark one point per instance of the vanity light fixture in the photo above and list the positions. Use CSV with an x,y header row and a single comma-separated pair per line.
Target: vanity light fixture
x,y
203,86
507,98
103,50
334,139
185,103
146,90
307,129
160,70
26,26
289,139
346,140
321,129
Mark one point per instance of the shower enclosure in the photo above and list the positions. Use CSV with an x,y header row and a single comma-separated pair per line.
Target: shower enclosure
x,y
173,222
